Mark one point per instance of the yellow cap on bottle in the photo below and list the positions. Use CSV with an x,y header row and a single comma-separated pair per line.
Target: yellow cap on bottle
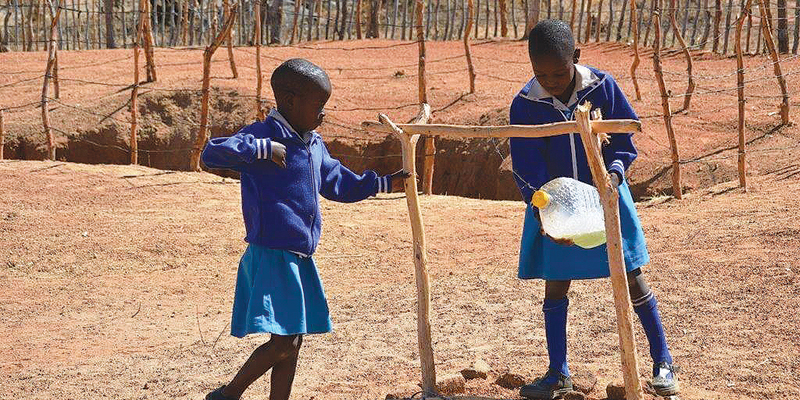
x,y
540,199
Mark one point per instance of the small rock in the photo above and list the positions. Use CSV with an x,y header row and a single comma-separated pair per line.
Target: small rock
x,y
479,369
574,395
584,381
510,381
451,384
615,391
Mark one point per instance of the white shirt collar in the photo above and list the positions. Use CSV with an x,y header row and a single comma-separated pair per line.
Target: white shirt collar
x,y
584,78
274,113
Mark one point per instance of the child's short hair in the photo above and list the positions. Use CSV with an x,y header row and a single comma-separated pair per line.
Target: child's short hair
x,y
551,37
295,74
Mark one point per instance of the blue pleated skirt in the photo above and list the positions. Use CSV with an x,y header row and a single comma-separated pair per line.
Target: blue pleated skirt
x,y
541,258
278,292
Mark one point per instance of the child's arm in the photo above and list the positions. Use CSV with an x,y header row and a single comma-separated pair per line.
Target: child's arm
x,y
527,154
342,185
620,151
243,148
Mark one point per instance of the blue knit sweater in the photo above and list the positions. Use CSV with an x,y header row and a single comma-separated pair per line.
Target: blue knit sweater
x,y
281,205
539,160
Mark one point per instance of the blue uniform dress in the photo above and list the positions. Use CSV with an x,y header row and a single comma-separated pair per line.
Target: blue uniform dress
x,y
278,288
536,161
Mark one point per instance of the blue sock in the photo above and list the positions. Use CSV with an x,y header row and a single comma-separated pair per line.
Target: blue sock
x,y
555,326
646,308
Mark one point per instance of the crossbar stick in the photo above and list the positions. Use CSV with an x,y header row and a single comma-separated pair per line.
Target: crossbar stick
x,y
408,143
506,131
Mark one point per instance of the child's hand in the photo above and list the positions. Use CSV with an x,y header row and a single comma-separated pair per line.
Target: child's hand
x,y
278,154
398,180
614,179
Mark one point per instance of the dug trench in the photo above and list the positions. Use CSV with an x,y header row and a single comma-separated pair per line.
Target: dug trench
x,y
476,168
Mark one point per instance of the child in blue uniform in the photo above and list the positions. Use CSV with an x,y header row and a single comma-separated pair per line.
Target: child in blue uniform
x,y
559,85
284,167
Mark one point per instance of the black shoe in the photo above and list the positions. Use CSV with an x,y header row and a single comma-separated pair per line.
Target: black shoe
x,y
552,385
665,383
217,395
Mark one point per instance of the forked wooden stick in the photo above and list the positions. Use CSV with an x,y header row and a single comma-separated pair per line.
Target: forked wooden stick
x,y
409,145
616,261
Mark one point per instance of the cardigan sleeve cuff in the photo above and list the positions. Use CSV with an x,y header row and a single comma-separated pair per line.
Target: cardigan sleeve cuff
x,y
618,168
263,149
385,184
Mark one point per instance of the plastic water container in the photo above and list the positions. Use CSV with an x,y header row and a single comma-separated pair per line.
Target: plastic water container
x,y
571,209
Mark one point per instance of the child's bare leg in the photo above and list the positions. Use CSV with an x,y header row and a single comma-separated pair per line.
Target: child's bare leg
x,y
268,355
283,376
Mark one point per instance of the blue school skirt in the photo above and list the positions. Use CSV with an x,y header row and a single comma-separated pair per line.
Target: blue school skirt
x,y
278,292
541,258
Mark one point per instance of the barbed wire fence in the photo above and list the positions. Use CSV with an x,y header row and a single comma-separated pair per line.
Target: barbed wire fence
x,y
90,24
706,85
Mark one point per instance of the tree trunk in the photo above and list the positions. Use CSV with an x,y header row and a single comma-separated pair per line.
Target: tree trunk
x,y
109,13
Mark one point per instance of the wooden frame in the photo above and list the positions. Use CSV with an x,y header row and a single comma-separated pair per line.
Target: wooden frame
x,y
591,132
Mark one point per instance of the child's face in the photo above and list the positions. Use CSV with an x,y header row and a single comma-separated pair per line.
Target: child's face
x,y
554,74
306,110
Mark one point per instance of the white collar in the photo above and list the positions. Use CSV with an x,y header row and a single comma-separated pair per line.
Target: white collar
x,y
306,137
277,115
584,79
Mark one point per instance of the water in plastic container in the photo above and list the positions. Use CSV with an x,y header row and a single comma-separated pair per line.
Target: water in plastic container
x,y
571,209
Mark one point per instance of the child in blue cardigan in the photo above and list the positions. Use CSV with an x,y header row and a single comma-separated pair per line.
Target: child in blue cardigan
x,y
285,167
559,85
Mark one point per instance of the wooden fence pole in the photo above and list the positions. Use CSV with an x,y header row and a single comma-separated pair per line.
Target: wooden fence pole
x,y
717,18
2,135
135,92
533,15
54,71
409,144
599,21
740,93
727,27
430,145
259,78
572,16
147,37
776,65
621,24
749,25
690,88
610,20
616,261
202,136
578,37
358,19
185,23
796,26
503,20
636,60
229,40
783,30
676,167
588,36
467,52
296,15
51,57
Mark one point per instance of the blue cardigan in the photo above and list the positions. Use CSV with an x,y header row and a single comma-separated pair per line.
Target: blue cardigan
x,y
538,160
281,205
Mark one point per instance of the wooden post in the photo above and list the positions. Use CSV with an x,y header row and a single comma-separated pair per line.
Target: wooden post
x,y
147,38
259,78
194,162
503,20
621,23
776,65
51,58
135,92
690,88
676,168
588,34
783,30
358,19
185,25
467,52
56,84
727,28
533,15
409,144
599,21
796,26
572,15
579,31
717,18
635,35
749,25
2,135
229,40
488,19
610,20
514,19
616,261
740,93
297,4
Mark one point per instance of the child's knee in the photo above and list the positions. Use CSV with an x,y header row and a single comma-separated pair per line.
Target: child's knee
x,y
287,346
637,286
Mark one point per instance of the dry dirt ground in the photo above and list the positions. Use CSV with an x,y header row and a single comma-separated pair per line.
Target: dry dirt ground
x,y
116,282
374,76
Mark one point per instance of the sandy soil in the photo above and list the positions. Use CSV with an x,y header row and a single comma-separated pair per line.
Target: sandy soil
x,y
374,76
117,282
